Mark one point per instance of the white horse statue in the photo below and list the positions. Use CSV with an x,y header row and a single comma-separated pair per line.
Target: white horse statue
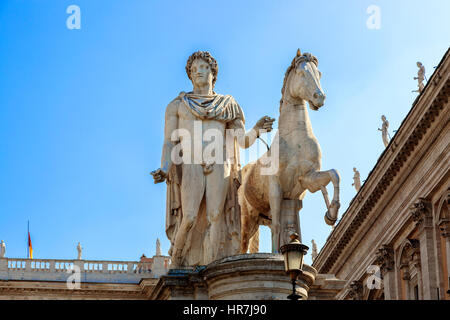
x,y
260,195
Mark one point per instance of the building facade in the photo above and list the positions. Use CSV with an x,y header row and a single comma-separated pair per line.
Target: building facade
x,y
41,279
393,241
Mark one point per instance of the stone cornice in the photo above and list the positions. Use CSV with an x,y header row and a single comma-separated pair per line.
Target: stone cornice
x,y
58,289
427,106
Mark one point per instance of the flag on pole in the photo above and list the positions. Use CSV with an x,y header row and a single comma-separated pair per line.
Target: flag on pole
x,y
30,247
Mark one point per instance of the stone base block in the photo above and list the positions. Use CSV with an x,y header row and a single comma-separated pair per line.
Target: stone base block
x,y
259,276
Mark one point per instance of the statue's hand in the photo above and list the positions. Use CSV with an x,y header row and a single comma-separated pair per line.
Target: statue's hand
x,y
159,175
265,123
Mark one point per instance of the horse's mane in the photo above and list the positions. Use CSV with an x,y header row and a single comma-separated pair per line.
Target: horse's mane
x,y
298,59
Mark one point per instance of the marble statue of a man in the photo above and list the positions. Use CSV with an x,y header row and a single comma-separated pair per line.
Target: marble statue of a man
x,y
384,130
420,77
202,214
79,249
356,180
2,249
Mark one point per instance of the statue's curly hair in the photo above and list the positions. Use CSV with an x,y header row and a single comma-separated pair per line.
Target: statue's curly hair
x,y
205,55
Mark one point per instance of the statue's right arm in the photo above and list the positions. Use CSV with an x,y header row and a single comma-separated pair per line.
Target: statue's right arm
x,y
171,124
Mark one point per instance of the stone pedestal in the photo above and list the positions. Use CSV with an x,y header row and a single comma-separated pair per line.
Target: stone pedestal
x,y
159,266
259,276
178,284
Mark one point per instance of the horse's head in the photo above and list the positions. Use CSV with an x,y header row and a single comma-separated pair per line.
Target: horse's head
x,y
302,81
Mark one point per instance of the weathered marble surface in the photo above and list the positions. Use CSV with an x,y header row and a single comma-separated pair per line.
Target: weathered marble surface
x,y
420,77
2,249
80,250
384,130
202,211
298,156
356,180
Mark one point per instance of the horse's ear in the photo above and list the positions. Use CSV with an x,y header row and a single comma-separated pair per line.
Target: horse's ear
x,y
298,53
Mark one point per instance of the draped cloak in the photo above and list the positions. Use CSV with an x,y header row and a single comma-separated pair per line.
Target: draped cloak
x,y
207,107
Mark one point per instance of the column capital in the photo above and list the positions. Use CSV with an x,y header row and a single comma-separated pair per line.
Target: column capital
x,y
385,258
356,290
421,211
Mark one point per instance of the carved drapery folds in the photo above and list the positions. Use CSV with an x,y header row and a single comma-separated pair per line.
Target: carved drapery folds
x,y
385,258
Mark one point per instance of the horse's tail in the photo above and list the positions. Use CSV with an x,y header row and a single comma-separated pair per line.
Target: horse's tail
x,y
254,242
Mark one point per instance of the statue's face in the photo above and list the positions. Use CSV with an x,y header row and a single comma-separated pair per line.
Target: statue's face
x,y
201,73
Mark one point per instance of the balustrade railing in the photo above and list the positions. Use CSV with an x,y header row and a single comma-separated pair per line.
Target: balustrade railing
x,y
88,266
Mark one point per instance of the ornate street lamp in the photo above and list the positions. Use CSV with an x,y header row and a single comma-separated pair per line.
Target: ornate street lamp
x,y
293,253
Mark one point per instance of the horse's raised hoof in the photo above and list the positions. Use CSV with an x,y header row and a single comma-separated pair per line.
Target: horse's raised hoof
x,y
329,221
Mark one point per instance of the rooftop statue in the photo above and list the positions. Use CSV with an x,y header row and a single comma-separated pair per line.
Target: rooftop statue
x,y
384,130
420,77
202,211
2,249
356,180
298,160
79,249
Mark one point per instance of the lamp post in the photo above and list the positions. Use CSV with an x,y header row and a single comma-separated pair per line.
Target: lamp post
x,y
293,253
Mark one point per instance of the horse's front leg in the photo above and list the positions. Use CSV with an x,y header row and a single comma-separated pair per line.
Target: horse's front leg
x,y
275,197
318,180
332,212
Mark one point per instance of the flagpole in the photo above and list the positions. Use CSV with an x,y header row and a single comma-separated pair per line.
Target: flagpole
x,y
28,240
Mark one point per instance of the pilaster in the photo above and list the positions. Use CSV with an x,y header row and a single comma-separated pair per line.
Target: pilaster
x,y
421,214
385,259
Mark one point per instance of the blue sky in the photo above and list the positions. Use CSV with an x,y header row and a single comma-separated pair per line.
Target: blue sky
x,y
82,111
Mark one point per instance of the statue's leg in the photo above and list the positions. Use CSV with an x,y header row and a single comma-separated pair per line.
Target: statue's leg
x,y
275,197
192,191
318,180
217,183
385,139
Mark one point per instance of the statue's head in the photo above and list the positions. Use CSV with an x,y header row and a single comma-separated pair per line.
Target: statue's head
x,y
302,80
419,64
202,68
383,118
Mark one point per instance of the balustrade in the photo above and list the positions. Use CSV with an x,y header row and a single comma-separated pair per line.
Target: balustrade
x,y
89,266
